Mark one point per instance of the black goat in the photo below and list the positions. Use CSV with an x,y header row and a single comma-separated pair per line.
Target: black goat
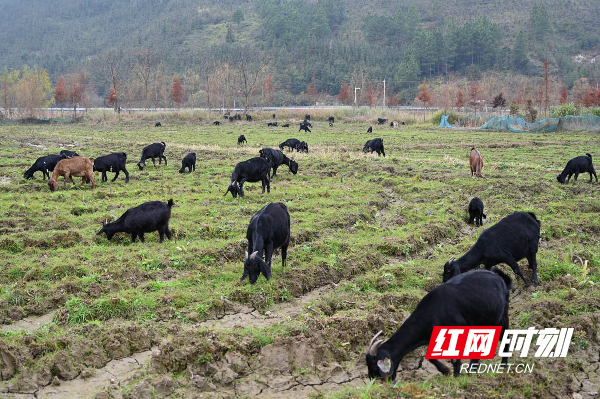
x,y
331,119
216,123
69,154
381,121
307,117
374,145
277,158
476,212
248,118
237,117
226,116
290,143
370,129
272,124
145,218
273,116
286,125
189,161
157,124
253,170
304,126
114,162
307,123
577,165
155,150
43,164
268,230
513,238
473,299
302,147
242,139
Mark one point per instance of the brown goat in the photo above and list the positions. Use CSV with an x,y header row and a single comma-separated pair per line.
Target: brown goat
x,y
476,162
77,166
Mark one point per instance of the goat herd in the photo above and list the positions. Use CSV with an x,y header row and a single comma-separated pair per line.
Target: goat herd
x,y
457,302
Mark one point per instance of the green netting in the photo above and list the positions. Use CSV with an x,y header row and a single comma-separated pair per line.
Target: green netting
x,y
444,122
507,123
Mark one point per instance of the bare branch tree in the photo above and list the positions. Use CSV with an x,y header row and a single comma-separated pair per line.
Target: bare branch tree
x,y
250,70
114,67
145,69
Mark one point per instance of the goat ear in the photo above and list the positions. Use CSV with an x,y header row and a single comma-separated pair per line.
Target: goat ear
x,y
266,270
451,260
385,365
253,255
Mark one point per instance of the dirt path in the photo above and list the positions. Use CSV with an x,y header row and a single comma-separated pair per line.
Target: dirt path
x,y
29,324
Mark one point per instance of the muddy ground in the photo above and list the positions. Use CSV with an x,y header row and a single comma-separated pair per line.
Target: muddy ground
x,y
88,318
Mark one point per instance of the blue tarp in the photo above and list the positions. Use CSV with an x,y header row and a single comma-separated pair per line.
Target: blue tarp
x,y
444,122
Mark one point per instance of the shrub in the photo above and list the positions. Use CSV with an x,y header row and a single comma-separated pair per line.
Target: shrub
x,y
564,110
452,117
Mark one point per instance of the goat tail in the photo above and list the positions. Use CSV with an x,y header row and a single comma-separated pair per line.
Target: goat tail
x,y
170,203
589,155
505,277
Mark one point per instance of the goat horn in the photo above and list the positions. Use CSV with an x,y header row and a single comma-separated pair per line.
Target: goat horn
x,y
253,255
451,259
374,338
375,347
246,255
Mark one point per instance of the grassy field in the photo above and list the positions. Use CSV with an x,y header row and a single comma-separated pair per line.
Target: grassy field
x,y
369,238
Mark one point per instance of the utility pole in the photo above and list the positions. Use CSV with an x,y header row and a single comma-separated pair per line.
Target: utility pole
x,y
356,88
383,93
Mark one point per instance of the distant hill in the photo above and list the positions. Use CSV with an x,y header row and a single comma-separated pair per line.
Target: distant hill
x,y
329,40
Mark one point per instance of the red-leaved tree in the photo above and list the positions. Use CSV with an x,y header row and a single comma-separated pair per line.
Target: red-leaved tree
x,y
112,97
424,93
371,100
344,95
177,91
393,100
311,91
460,99
60,94
564,95
268,89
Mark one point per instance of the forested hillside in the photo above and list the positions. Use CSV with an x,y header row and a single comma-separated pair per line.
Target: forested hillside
x,y
327,42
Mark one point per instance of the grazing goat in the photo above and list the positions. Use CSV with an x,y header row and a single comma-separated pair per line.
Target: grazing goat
x,y
68,154
145,218
226,116
43,164
374,145
290,143
157,124
381,121
268,230
237,117
73,167
513,238
189,161
370,129
304,126
582,164
242,139
114,162
307,117
302,147
277,158
272,124
273,116
286,125
216,123
476,163
253,170
307,123
155,150
331,119
473,299
248,118
476,212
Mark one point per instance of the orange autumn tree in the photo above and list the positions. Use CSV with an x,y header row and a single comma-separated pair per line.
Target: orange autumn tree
x,y
112,97
60,94
424,93
76,92
460,100
268,89
371,100
393,100
344,95
177,91
564,95
311,91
